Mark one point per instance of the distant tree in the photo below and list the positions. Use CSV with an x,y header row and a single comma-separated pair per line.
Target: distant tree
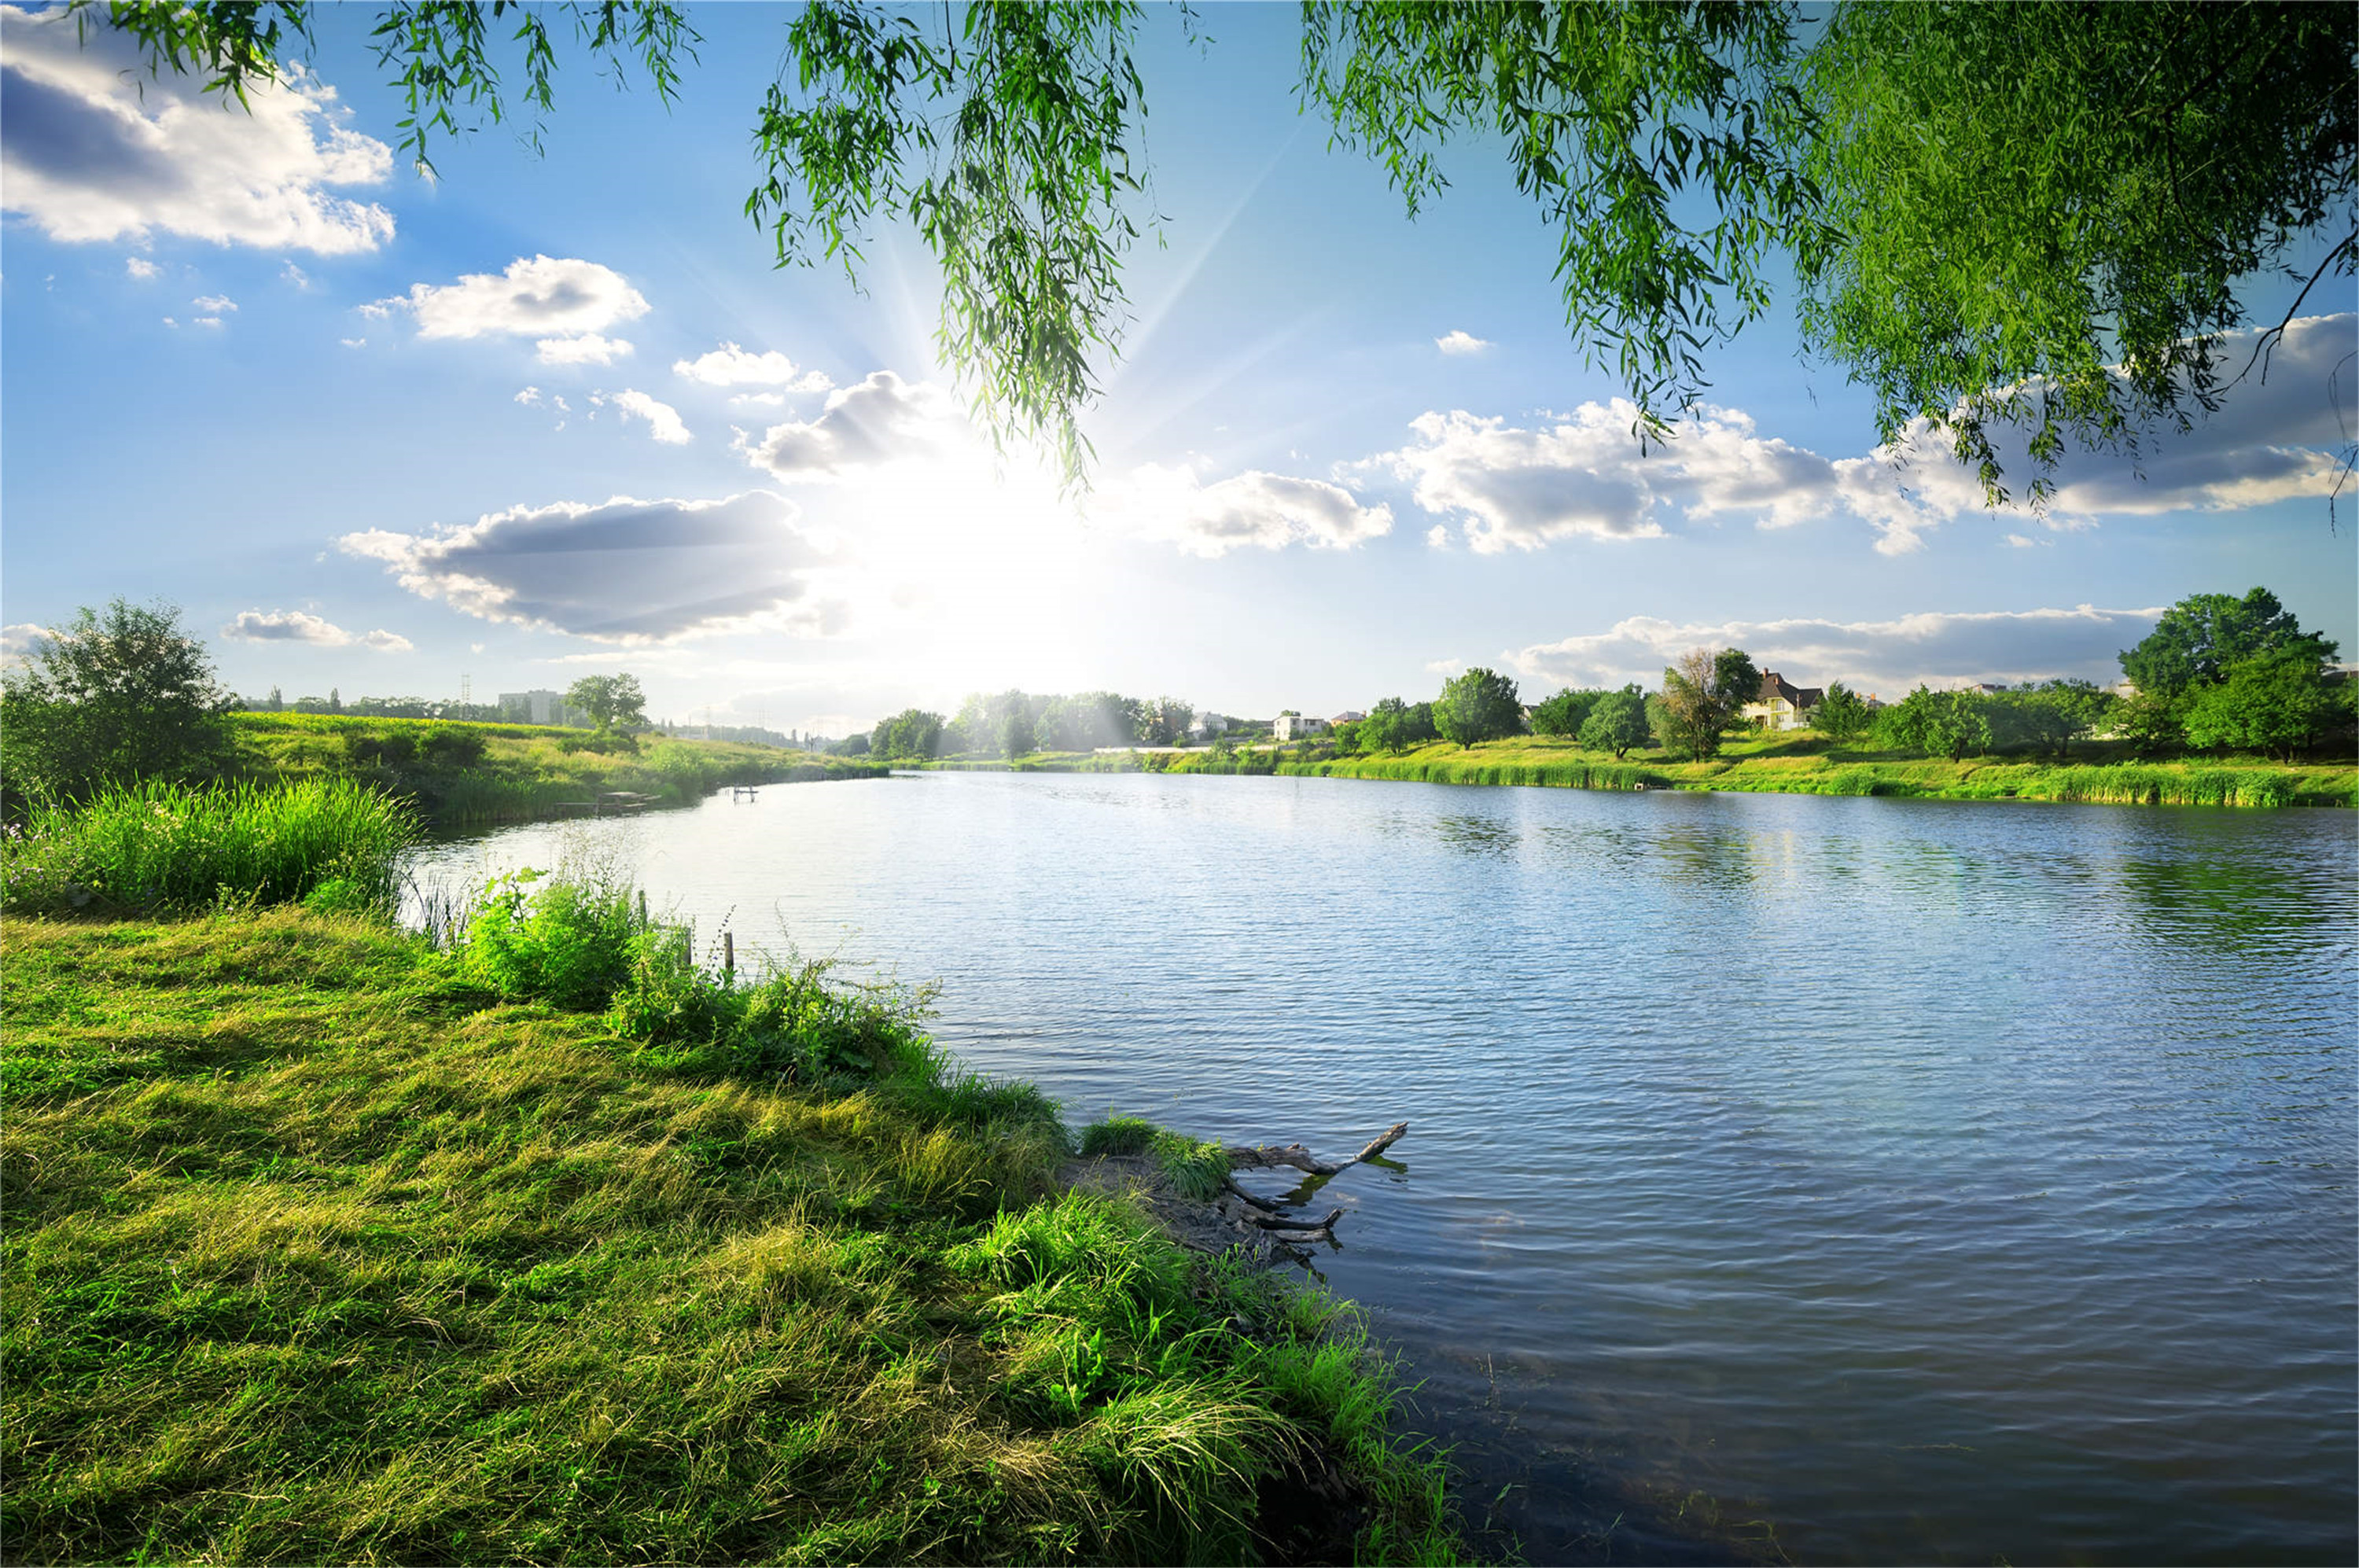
x,y
912,734
273,703
2279,703
611,701
851,746
118,696
2049,717
1417,725
2152,725
1016,732
1939,724
1164,721
1381,730
1841,715
335,702
1477,706
2198,639
1564,713
1616,723
1702,694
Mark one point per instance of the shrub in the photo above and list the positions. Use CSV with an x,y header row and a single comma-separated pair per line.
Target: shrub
x,y
572,945
1196,1170
178,847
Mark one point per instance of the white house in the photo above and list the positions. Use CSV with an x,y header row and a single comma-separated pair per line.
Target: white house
x,y
1782,706
1348,717
1207,726
1291,726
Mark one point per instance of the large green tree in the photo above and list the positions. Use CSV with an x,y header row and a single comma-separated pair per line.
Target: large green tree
x,y
2198,639
121,695
611,701
1617,722
1702,694
2002,212
1477,706
1841,715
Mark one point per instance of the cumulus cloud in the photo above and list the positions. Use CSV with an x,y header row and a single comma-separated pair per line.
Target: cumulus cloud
x,y
627,572
1888,657
146,271
1266,511
290,273
563,302
1582,474
214,304
353,343
663,420
880,420
730,366
21,641
294,626
1459,342
94,148
587,349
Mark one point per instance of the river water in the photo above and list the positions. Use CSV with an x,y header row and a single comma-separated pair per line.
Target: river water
x,y
1852,1181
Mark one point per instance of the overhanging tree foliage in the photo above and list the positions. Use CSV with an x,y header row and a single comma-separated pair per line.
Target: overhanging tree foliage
x,y
2001,213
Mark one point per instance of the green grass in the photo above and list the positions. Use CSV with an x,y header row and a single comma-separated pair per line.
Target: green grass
x,y
459,773
162,846
321,1250
1197,1170
1811,766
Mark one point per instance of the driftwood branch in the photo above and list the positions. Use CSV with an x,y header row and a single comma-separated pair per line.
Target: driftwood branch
x,y
1267,1206
1293,1154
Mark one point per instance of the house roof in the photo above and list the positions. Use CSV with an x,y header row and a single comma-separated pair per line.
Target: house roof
x,y
1774,686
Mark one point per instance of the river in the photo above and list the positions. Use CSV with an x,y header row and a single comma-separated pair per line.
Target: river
x,y
1852,1181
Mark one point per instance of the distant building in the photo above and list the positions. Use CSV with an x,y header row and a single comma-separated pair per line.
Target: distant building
x,y
1782,706
536,707
1348,717
1207,726
1291,726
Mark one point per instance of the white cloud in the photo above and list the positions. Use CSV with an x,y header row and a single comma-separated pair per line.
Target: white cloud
x,y
22,641
294,626
730,366
353,343
2020,541
146,271
880,420
529,396
1462,343
376,310
563,302
1437,536
758,400
1582,474
94,148
214,304
627,572
663,420
1445,666
587,349
1888,657
1267,511
290,273
201,321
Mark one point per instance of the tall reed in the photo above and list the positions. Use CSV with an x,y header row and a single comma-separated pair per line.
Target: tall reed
x,y
176,847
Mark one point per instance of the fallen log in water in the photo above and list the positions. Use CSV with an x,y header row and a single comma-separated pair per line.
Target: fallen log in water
x,y
1301,1158
1273,1215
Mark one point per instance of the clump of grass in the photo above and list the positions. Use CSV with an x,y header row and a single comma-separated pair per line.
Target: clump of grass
x,y
318,1250
161,846
1196,1170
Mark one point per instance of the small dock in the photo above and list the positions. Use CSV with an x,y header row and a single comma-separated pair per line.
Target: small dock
x,y
745,791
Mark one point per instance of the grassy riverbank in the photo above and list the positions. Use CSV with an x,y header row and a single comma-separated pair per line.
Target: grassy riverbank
x,y
461,773
1803,765
321,1250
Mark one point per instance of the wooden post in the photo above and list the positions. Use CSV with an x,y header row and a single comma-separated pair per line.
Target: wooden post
x,y
643,908
729,953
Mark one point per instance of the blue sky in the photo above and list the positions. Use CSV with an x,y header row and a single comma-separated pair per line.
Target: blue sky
x,y
557,415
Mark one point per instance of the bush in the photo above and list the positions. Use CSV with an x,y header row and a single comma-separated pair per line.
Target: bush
x,y
571,946
176,847
111,699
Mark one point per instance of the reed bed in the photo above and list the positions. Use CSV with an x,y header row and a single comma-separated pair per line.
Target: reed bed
x,y
168,847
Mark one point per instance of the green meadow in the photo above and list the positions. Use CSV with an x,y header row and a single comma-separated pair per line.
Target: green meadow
x,y
470,773
1805,764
